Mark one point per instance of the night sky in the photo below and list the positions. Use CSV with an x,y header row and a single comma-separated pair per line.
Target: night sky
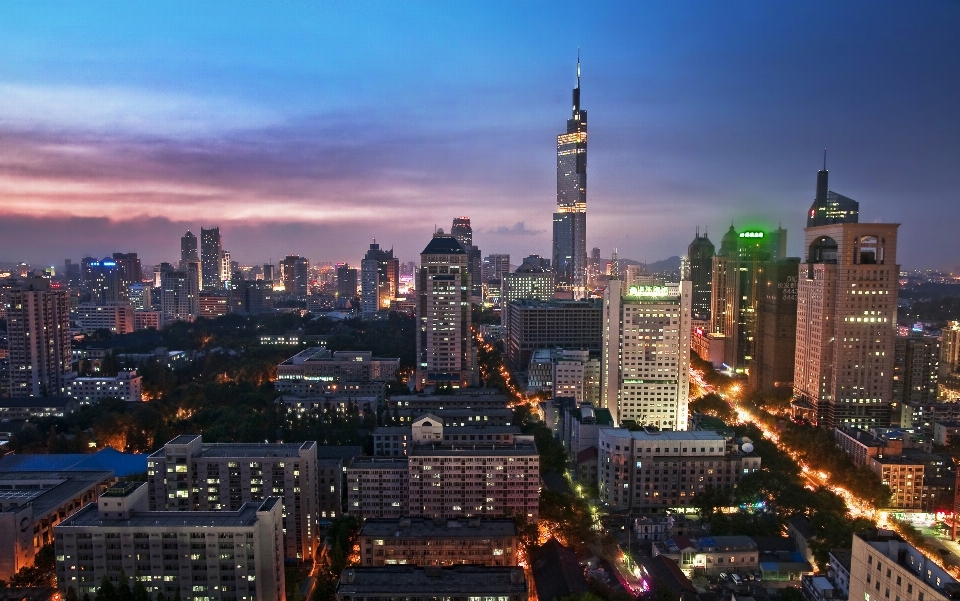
x,y
310,128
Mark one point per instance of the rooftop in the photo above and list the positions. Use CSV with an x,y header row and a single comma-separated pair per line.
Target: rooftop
x,y
32,401
448,581
121,464
378,463
469,450
47,490
245,516
683,436
424,528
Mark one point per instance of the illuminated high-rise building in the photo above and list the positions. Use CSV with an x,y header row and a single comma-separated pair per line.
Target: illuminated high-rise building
x,y
38,332
570,220
846,323
188,249
463,232
700,266
379,280
645,360
210,259
179,293
293,272
445,351
828,206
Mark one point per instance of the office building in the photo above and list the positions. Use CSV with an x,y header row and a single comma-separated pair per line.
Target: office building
x,y
532,325
140,296
775,338
34,501
463,232
830,208
566,373
445,350
570,220
101,280
38,339
863,447
129,270
189,251
210,259
217,555
916,368
637,468
738,273
250,296
948,384
116,317
179,293
126,385
645,357
211,305
881,561
700,265
846,323
293,274
430,583
143,320
346,285
420,542
188,475
379,280
531,281
494,267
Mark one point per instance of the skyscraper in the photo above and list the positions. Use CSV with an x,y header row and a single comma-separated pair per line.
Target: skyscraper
x,y
179,293
700,263
188,249
346,284
775,338
828,206
463,232
445,352
294,274
494,267
379,279
210,259
38,331
645,360
129,271
738,271
846,322
570,220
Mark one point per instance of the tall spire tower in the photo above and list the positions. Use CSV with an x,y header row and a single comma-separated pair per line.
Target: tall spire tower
x,y
570,220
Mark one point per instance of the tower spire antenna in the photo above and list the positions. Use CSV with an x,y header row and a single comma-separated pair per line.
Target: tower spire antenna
x,y
824,159
578,67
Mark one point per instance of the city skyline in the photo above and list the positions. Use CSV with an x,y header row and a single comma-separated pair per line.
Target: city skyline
x,y
125,128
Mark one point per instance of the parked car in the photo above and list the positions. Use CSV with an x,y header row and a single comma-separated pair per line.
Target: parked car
x,y
736,579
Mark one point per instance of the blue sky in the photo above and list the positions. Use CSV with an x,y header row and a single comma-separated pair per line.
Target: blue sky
x,y
311,127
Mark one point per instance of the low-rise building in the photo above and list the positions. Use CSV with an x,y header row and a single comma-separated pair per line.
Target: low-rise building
x,y
711,554
644,469
33,502
862,446
425,542
943,432
217,555
190,475
341,397
431,583
146,319
565,373
304,373
904,475
126,385
458,417
24,408
839,571
818,588
881,561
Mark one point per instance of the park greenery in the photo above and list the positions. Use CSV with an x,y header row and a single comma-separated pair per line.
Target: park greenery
x,y
226,393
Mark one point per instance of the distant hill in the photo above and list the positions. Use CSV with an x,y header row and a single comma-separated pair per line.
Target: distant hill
x,y
671,264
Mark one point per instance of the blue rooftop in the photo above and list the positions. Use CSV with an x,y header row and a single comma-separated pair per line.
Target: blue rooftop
x,y
122,464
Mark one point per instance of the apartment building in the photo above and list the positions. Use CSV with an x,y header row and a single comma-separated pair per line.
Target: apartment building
x,y
430,429
884,566
377,488
425,542
188,475
214,555
434,402
115,317
862,446
431,583
668,469
126,385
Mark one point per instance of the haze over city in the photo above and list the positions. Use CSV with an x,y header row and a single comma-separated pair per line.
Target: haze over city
x,y
311,128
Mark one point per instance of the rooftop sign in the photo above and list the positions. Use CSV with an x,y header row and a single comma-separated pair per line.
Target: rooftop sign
x,y
751,234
